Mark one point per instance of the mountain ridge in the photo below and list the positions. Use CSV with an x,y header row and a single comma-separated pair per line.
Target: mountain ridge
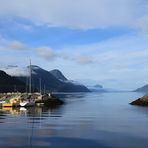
x,y
58,74
142,89
53,81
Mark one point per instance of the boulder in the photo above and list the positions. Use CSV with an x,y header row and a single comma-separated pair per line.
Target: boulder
x,y
143,101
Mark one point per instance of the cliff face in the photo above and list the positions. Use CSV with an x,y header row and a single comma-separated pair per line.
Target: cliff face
x,y
10,84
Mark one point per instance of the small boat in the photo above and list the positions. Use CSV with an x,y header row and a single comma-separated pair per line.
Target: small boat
x,y
27,103
7,105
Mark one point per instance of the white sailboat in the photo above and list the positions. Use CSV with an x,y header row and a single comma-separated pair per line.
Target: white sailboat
x,y
28,102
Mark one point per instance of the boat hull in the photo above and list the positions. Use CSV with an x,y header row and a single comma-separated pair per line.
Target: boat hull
x,y
27,104
10,105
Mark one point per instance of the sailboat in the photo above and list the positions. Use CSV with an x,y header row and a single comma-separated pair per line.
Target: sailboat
x,y
28,102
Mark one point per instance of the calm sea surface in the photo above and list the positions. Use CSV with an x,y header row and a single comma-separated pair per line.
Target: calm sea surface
x,y
89,120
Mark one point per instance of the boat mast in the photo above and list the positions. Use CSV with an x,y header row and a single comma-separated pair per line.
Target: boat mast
x,y
40,85
26,84
30,79
44,89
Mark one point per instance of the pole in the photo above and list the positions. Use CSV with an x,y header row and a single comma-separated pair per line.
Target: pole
x,y
44,89
40,85
30,80
26,84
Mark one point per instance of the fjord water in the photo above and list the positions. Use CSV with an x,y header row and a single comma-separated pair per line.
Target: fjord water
x,y
89,120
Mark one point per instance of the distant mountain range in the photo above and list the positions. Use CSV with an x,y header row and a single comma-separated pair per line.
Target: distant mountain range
x,y
142,89
97,88
52,81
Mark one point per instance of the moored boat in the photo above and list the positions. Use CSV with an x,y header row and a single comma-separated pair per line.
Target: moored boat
x,y
8,105
27,103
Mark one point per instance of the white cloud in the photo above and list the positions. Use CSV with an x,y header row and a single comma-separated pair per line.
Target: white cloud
x,y
84,60
83,14
12,44
142,25
45,52
16,71
17,45
25,27
123,59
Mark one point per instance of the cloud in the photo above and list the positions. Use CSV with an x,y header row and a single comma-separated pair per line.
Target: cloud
x,y
124,59
84,60
26,27
142,25
75,56
17,45
16,71
12,44
46,53
82,14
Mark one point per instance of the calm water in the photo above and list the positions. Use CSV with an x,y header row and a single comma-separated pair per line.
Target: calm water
x,y
91,120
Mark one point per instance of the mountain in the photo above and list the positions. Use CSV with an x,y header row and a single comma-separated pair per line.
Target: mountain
x,y
10,84
53,81
58,74
98,86
142,89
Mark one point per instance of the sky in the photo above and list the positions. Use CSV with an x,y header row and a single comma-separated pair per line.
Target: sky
x,y
90,41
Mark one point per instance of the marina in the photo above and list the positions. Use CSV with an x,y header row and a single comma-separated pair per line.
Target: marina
x,y
28,100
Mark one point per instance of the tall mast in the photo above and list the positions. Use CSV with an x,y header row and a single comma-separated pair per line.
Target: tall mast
x,y
44,89
40,85
30,79
26,84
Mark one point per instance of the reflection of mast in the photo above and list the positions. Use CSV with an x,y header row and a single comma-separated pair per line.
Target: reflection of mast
x,y
31,136
30,79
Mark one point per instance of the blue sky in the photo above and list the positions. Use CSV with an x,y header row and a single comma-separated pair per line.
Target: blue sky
x,y
92,41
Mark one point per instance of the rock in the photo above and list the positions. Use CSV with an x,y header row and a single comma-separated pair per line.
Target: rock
x,y
143,101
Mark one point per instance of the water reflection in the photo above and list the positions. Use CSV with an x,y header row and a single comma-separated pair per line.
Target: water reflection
x,y
30,111
20,126
71,95
90,120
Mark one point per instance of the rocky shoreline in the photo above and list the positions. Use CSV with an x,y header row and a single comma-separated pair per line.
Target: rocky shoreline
x,y
143,101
